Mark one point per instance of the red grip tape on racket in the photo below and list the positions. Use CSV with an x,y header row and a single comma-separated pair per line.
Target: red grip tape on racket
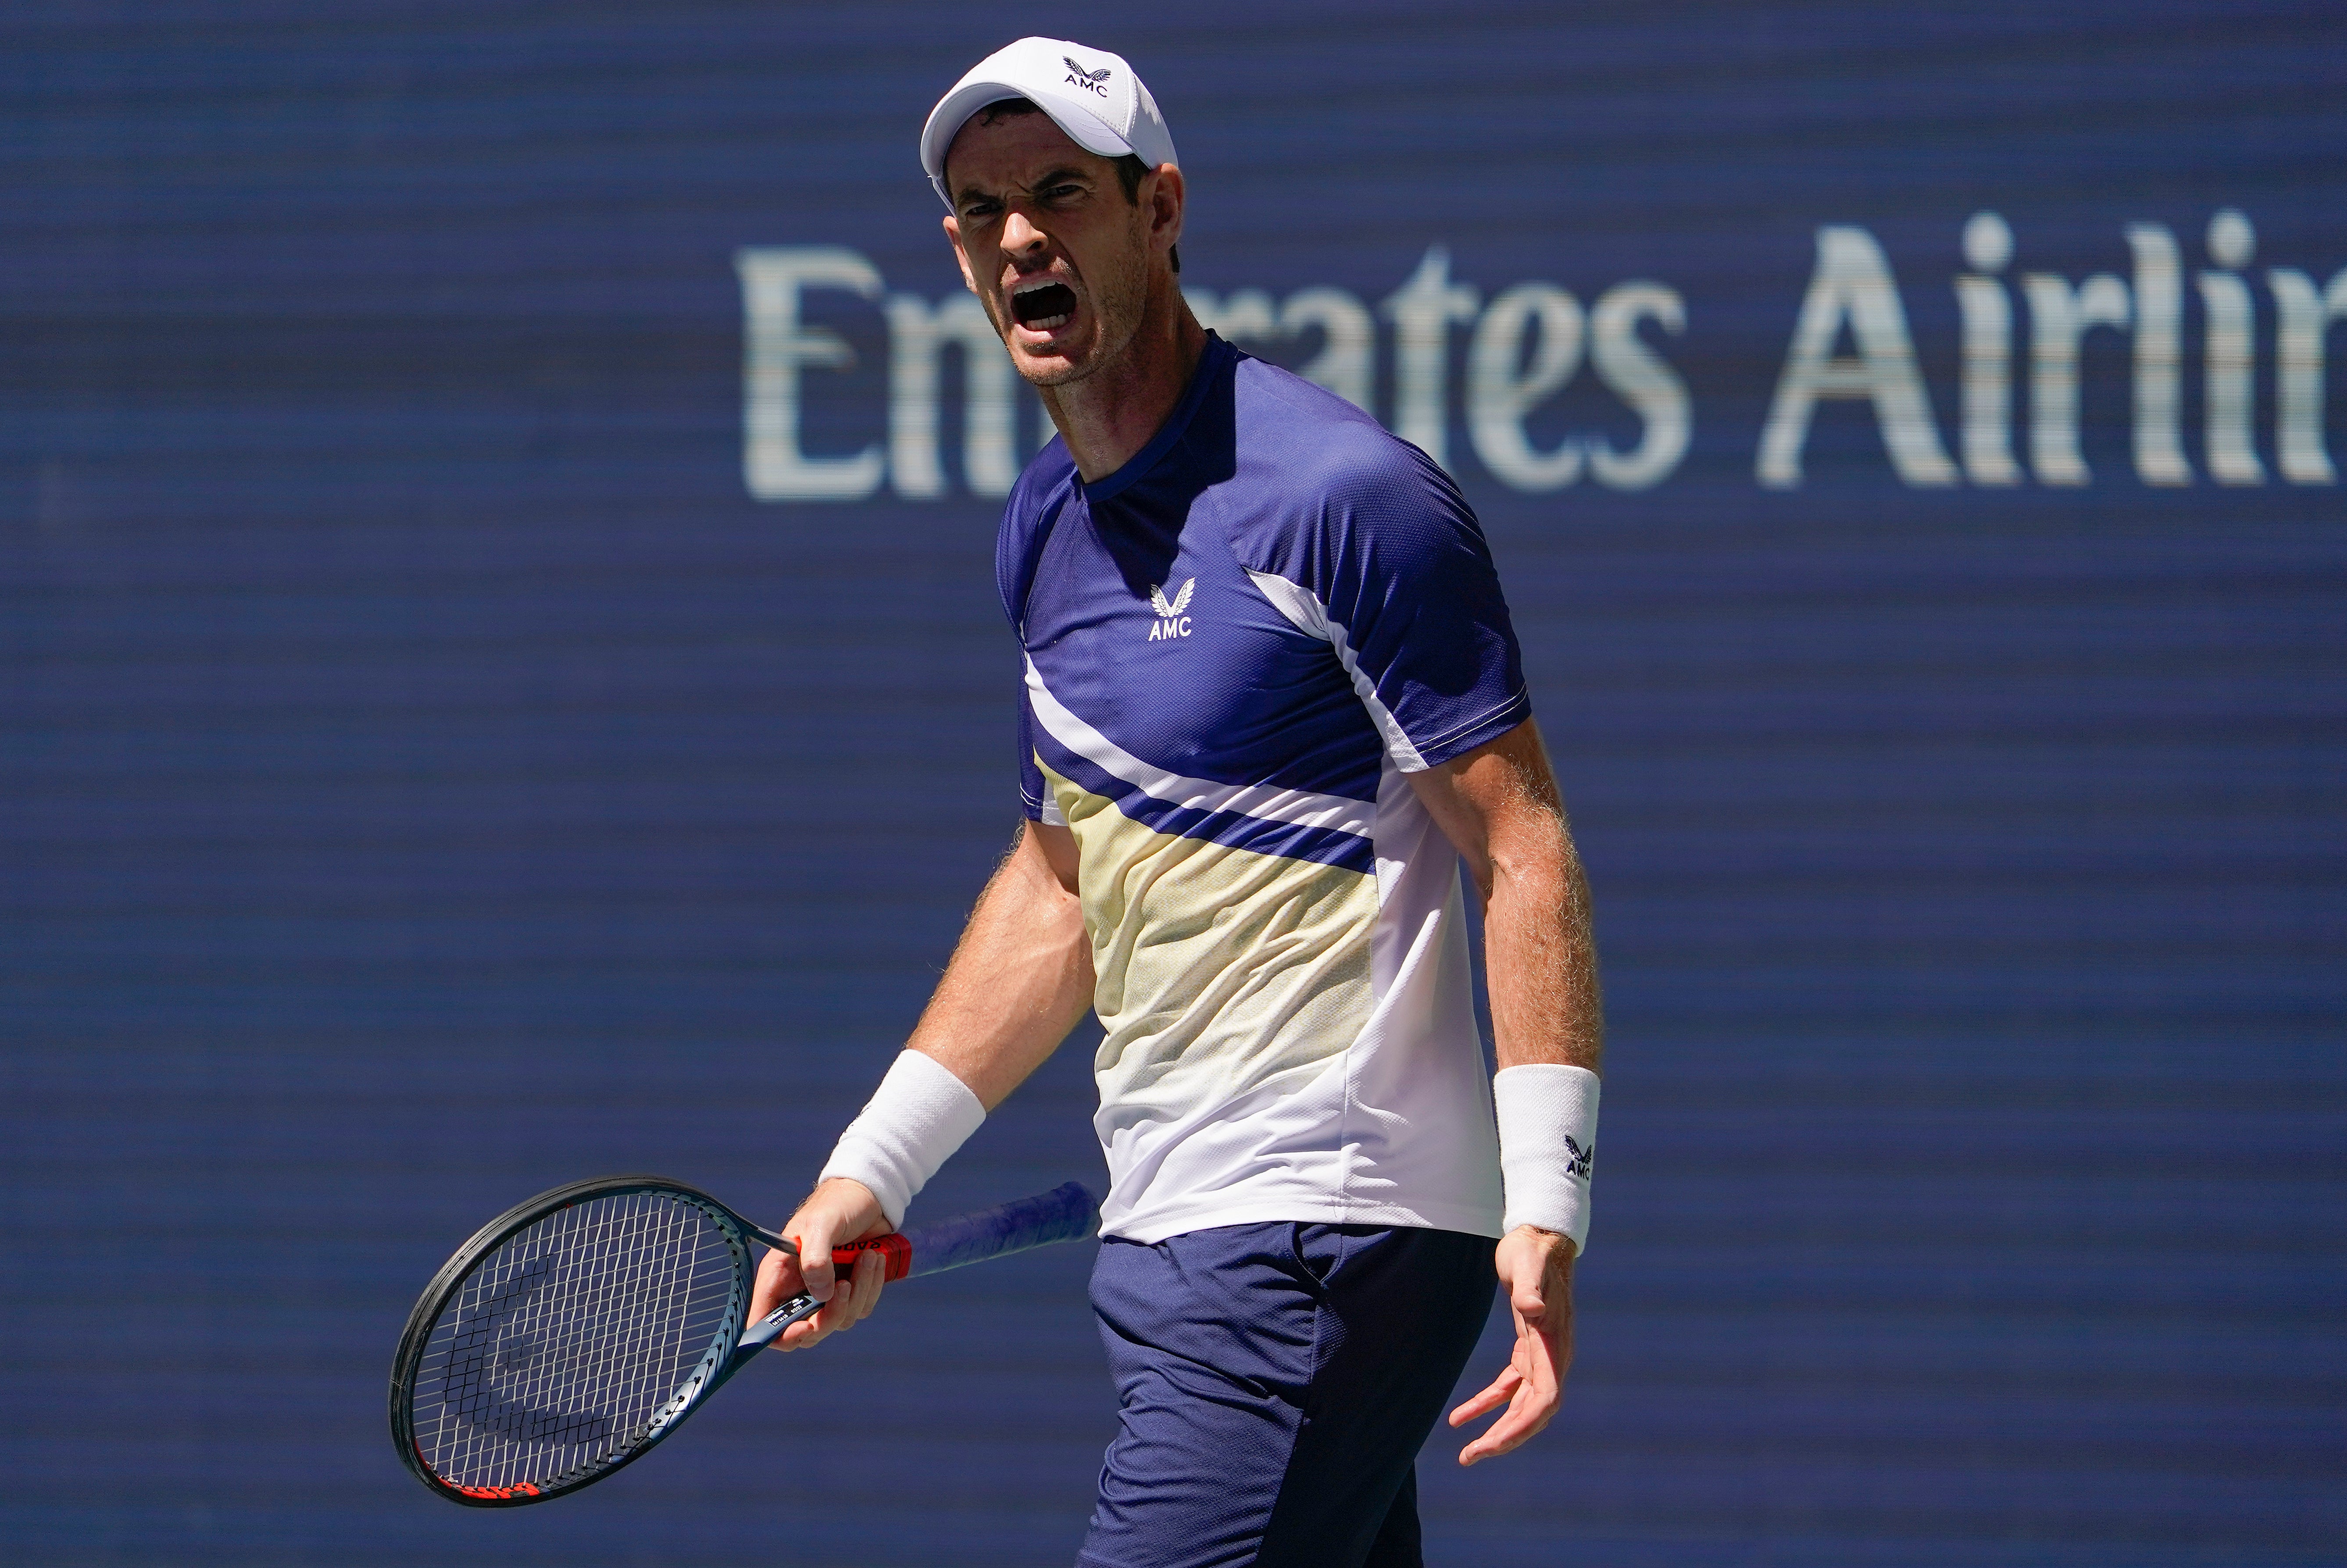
x,y
894,1249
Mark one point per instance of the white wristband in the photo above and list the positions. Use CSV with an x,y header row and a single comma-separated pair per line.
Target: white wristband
x,y
912,1124
1548,1142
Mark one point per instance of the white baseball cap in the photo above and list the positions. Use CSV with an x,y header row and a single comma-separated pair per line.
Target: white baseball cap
x,y
1088,93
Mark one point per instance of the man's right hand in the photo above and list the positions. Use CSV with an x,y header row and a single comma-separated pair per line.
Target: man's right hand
x,y
838,1211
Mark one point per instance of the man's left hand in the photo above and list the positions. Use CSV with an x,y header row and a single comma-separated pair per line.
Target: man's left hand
x,y
1535,1268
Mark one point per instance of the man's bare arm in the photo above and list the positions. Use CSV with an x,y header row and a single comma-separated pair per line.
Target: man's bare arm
x,y
1020,980
1499,805
1020,977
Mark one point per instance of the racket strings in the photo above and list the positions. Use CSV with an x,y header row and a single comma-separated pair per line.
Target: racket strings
x,y
561,1347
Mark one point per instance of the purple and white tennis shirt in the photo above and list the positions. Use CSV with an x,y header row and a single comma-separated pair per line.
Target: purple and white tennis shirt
x,y
1238,646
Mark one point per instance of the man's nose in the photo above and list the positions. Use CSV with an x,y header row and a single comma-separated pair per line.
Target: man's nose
x,y
1017,234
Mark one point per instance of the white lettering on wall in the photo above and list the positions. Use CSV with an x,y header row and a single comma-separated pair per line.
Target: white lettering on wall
x,y
1852,341
777,349
1247,314
1988,353
1852,287
2230,355
2158,356
1504,384
1422,312
1499,394
1348,360
1642,379
2306,314
2059,316
1346,363
990,416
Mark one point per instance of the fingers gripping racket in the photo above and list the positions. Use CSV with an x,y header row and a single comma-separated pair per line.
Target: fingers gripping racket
x,y
573,1332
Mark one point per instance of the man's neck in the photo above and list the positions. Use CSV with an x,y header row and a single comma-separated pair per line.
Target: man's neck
x,y
1111,413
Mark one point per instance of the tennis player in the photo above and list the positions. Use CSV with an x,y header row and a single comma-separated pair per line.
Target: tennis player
x,y
1272,700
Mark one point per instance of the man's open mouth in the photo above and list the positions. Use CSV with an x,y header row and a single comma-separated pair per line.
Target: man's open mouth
x,y
1043,306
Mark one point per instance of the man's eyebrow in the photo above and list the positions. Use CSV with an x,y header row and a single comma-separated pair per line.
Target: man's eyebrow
x,y
1065,172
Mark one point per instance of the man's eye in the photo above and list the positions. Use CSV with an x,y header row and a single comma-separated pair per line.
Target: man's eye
x,y
1058,192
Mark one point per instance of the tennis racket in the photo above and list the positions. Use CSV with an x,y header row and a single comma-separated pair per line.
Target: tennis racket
x,y
575,1331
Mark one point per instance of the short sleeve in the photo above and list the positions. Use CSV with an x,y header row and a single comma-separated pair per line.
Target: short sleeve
x,y
1395,568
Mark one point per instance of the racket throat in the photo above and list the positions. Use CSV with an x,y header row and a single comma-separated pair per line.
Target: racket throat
x,y
761,1333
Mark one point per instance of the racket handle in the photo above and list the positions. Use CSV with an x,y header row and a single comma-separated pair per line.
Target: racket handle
x,y
1066,1212
894,1249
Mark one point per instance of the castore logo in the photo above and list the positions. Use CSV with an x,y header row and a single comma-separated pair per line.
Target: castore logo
x,y
1171,622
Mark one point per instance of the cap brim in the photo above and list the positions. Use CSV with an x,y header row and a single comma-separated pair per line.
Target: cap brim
x,y
1085,129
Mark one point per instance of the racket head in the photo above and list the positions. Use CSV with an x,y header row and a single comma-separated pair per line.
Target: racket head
x,y
567,1338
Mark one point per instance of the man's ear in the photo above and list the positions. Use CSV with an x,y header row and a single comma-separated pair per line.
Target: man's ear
x,y
1166,196
953,237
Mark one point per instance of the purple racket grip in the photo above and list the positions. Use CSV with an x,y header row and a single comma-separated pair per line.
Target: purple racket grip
x,y
1066,1212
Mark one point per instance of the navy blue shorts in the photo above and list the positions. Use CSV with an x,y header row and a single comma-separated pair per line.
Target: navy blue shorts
x,y
1275,1383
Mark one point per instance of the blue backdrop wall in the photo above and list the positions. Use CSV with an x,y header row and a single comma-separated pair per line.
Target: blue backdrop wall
x,y
500,680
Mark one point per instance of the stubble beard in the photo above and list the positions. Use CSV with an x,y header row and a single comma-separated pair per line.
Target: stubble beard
x,y
1119,300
